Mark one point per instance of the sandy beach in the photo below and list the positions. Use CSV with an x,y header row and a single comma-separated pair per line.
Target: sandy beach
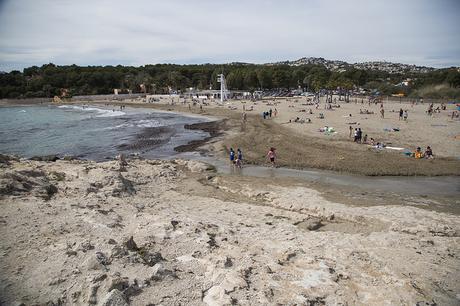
x,y
302,145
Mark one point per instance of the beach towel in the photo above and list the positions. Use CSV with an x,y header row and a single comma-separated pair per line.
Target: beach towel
x,y
395,148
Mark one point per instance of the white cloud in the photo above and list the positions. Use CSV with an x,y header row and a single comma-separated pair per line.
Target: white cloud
x,y
142,32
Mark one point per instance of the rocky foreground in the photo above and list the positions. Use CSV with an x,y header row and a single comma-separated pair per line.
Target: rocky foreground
x,y
176,233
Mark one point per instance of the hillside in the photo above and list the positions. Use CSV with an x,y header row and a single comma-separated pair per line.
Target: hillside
x,y
336,65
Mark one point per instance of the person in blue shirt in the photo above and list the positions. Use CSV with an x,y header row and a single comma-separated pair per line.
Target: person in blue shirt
x,y
232,156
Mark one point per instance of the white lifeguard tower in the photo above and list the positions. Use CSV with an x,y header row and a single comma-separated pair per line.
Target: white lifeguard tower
x,y
223,87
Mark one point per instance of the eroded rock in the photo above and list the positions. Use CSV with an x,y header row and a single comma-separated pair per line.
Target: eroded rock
x,y
114,298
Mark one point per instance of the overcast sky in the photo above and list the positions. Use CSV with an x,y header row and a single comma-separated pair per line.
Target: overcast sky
x,y
139,32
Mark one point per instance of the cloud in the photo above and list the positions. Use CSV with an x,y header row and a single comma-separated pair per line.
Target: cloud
x,y
142,32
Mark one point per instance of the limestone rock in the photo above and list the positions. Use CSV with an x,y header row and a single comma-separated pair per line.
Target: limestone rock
x,y
114,298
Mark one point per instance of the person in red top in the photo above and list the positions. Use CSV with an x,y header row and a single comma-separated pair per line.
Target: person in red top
x,y
272,156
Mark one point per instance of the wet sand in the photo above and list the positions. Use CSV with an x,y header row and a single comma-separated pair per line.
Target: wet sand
x,y
214,128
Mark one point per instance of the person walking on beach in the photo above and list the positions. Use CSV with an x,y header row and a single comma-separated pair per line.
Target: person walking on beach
x,y
382,112
272,156
239,158
276,112
400,113
351,131
405,115
232,156
270,113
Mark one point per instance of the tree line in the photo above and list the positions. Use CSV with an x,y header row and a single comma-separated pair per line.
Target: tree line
x,y
51,80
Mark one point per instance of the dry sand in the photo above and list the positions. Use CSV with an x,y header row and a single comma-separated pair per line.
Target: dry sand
x,y
438,131
205,239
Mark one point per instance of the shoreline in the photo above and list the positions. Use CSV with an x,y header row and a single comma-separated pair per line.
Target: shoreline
x,y
301,151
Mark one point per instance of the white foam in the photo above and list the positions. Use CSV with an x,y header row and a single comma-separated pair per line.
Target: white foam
x,y
100,111
141,123
148,123
108,113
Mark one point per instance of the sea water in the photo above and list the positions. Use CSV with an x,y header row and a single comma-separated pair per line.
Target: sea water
x,y
95,133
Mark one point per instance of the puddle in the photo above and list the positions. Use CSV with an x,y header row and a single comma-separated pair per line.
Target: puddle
x,y
414,185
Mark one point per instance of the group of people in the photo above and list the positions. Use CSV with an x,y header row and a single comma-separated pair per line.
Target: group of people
x,y
358,135
269,113
236,159
403,114
298,120
418,154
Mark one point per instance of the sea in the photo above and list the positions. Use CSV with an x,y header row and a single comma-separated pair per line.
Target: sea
x,y
94,133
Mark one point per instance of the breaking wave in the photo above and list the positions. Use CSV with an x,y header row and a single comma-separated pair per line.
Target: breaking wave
x,y
101,112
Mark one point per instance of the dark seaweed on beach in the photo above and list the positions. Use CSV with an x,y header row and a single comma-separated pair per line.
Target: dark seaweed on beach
x,y
149,138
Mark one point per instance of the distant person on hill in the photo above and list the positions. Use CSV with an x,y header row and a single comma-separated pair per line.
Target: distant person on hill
x,y
272,156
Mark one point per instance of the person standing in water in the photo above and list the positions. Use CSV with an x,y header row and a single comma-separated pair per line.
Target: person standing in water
x,y
272,156
232,156
239,158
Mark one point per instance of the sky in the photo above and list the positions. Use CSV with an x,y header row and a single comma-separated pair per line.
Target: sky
x,y
140,32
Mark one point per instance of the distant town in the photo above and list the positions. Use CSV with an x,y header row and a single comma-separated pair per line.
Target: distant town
x,y
335,65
